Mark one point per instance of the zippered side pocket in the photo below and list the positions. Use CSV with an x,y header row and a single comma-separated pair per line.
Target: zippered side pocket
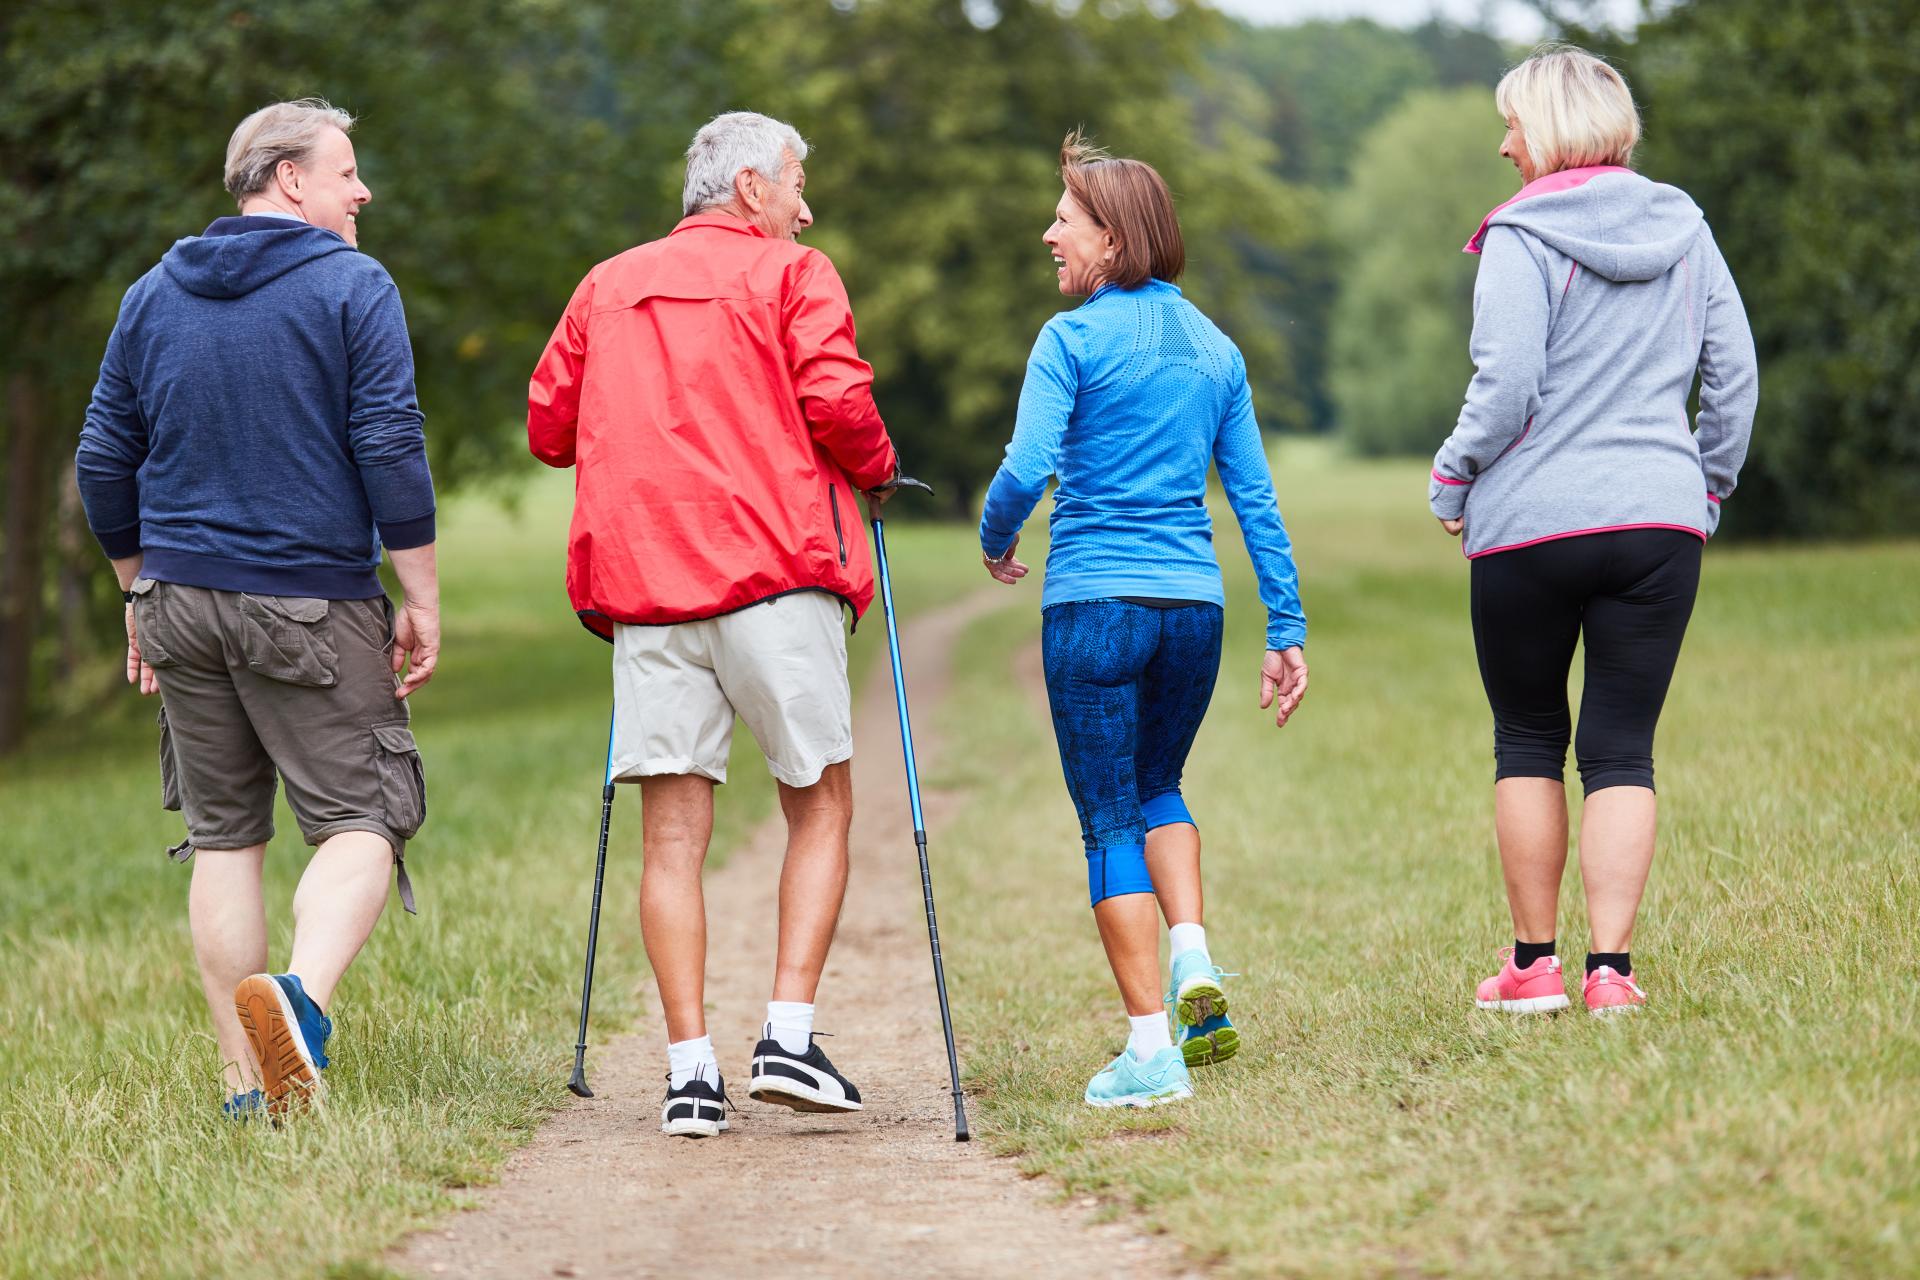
x,y
839,534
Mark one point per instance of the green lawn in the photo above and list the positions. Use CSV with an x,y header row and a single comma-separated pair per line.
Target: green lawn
x,y
1762,1119
454,1030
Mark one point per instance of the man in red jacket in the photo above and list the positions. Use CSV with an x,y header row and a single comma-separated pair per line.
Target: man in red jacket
x,y
707,390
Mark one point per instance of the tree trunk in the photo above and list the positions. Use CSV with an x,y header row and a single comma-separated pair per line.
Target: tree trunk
x,y
77,559
23,536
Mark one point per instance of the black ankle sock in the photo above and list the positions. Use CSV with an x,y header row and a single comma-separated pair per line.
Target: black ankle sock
x,y
1525,953
1621,962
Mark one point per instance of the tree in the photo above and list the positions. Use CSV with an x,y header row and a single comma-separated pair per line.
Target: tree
x,y
936,132
492,135
1422,181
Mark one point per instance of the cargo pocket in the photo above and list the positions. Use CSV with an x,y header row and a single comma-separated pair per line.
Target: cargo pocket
x,y
287,638
403,795
403,780
150,626
169,767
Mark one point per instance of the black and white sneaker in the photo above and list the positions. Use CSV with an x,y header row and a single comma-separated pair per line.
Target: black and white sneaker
x,y
805,1082
696,1109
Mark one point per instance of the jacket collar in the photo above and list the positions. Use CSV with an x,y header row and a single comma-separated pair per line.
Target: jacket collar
x,y
1154,284
723,221
1564,180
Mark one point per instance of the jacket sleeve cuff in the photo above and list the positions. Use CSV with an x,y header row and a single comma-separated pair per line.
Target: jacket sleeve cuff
x,y
119,543
404,535
1288,634
1447,497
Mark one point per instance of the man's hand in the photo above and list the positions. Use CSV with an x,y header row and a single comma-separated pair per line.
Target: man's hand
x,y
138,672
416,636
1006,569
877,497
1453,526
1283,682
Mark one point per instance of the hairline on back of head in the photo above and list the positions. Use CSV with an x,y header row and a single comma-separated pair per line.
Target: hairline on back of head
x,y
728,143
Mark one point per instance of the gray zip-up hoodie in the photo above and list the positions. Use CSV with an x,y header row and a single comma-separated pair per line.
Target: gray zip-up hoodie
x,y
1600,294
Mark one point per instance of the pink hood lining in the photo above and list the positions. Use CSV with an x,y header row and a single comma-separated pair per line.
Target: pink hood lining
x,y
1565,180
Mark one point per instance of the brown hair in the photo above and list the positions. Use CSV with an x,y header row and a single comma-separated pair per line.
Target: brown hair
x,y
1129,199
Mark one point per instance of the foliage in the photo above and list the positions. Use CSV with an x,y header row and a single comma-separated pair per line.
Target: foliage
x,y
1423,179
937,131
1794,125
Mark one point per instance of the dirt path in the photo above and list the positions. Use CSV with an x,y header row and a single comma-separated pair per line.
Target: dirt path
x,y
886,1192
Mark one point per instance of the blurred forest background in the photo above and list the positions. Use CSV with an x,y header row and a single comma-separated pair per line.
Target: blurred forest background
x,y
1327,174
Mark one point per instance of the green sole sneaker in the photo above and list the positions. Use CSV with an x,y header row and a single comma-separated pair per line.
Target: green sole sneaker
x,y
1210,1043
1200,1000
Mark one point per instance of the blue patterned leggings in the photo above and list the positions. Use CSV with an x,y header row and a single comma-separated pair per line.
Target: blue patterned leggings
x,y
1128,685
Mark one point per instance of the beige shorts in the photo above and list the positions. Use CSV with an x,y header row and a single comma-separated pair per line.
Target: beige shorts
x,y
780,666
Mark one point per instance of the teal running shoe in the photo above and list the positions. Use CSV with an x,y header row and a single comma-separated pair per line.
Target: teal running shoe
x,y
1213,1041
1128,1082
1196,994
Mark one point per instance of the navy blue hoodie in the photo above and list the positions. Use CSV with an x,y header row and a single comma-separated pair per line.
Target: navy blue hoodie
x,y
255,426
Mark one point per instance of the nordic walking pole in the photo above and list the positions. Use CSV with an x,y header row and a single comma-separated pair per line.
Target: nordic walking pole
x,y
579,1082
960,1133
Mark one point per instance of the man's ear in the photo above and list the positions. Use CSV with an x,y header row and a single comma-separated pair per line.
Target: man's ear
x,y
747,189
288,175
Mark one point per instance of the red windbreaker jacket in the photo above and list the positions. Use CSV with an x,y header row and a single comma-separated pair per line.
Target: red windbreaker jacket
x,y
707,391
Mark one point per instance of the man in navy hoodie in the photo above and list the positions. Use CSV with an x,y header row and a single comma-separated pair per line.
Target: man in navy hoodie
x,y
253,441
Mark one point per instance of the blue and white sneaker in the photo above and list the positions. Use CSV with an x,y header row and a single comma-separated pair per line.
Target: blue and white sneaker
x,y
1129,1082
288,1034
251,1105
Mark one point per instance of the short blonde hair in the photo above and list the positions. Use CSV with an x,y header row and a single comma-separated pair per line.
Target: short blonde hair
x,y
1574,109
283,131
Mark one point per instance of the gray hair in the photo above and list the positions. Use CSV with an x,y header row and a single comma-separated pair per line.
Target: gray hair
x,y
283,131
729,143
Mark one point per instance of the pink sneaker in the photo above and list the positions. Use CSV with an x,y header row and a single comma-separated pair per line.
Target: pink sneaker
x,y
1610,992
1538,988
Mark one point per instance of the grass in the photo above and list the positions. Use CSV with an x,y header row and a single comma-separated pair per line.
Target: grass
x,y
454,1029
1762,1119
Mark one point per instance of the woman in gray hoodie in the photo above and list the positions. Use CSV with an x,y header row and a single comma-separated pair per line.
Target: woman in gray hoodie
x,y
1583,496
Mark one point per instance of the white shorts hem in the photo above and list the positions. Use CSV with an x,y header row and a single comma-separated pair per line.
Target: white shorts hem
x,y
666,767
807,776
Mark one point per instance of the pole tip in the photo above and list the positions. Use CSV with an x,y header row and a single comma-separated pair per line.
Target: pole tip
x,y
578,1085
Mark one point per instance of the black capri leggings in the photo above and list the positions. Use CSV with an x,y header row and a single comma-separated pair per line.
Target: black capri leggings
x,y
1630,592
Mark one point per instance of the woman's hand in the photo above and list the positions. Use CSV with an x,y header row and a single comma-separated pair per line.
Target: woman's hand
x,y
1453,526
1006,569
1283,682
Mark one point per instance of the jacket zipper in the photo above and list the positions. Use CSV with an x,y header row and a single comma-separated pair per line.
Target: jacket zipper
x,y
839,536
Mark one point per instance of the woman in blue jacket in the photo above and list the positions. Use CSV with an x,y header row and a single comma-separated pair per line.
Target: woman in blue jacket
x,y
1127,400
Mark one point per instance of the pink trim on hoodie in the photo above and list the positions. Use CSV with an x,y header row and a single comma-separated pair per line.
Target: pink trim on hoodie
x,y
1581,533
1565,180
1444,480
1714,498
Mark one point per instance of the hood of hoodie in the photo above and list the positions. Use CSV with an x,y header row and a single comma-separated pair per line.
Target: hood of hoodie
x,y
1610,220
235,256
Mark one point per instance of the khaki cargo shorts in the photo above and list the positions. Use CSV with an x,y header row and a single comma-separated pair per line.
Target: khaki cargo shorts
x,y
780,666
252,686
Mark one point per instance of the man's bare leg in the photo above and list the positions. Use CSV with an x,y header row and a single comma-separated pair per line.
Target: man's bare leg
x,y
228,918
677,823
339,900
813,882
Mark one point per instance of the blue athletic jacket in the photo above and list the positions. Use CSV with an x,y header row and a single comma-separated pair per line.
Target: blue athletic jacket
x,y
1128,398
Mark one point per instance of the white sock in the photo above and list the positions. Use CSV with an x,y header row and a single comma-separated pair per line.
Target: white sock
x,y
684,1057
1189,937
1149,1035
791,1023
